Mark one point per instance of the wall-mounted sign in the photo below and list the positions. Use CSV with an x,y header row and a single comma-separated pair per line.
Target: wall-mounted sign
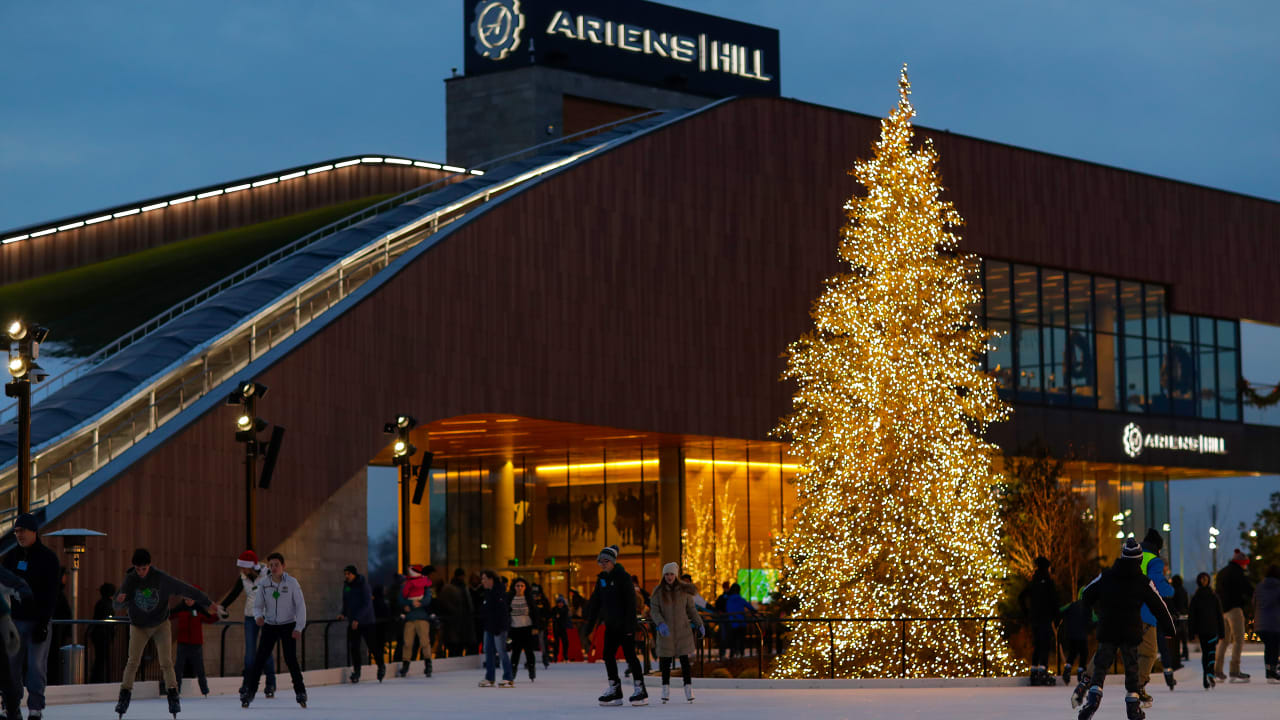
x,y
1134,441
636,41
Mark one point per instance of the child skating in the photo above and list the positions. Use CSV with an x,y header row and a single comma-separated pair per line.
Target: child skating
x,y
613,604
1204,618
189,632
281,612
673,611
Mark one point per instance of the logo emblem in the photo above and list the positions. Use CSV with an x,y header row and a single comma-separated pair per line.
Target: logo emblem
x,y
1132,439
497,28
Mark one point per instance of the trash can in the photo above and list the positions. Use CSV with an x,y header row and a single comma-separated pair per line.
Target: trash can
x,y
72,664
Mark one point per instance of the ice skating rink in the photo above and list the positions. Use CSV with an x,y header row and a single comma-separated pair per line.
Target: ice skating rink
x,y
569,691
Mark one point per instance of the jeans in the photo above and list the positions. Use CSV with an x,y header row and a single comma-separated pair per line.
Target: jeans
x,y
35,658
191,656
495,646
162,636
1270,648
10,688
1106,655
614,639
251,633
272,634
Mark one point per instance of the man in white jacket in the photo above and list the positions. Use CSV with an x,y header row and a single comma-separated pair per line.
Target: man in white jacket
x,y
281,612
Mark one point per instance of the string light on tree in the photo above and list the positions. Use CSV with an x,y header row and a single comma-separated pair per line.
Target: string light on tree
x,y
897,513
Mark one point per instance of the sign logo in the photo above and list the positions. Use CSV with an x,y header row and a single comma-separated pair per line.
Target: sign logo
x,y
497,28
1135,441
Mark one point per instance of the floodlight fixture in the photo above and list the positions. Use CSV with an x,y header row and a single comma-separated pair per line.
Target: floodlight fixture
x,y
16,329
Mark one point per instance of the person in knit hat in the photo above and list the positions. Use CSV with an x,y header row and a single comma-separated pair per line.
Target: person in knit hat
x,y
613,604
1117,596
1236,593
415,599
673,611
250,573
1153,643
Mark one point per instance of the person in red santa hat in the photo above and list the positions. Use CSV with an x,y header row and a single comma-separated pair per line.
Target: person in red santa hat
x,y
415,602
251,573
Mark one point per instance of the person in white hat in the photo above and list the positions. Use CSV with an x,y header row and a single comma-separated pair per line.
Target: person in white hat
x,y
674,612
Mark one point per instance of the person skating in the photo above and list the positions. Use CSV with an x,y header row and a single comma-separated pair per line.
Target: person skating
x,y
12,589
560,624
415,599
543,636
280,611
357,610
1179,608
672,609
38,566
1077,621
146,594
613,603
189,622
1266,621
1153,643
1204,618
1117,597
525,621
1039,603
457,615
495,620
248,573
1235,592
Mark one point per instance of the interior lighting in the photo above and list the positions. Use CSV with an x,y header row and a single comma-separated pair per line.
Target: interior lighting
x,y
211,193
268,181
371,159
238,188
399,161
15,239
583,467
126,213
347,163
742,463
429,165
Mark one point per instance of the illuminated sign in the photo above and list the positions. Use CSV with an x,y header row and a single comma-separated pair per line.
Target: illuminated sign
x,y
1134,441
496,28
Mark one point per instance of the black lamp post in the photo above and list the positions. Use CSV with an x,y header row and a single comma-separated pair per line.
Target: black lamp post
x,y
248,425
24,348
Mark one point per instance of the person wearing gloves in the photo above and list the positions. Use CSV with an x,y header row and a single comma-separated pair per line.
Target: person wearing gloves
x,y
1153,643
12,589
673,610
35,563
613,604
250,572
147,593
415,599
281,612
357,610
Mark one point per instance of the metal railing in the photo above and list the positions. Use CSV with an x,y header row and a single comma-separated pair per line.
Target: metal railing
x,y
65,461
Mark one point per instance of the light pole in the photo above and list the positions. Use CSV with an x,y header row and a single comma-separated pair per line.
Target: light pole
x,y
248,425
74,545
24,349
402,457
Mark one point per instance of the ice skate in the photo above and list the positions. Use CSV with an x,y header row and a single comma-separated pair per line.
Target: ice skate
x,y
301,697
403,670
1133,708
1273,675
688,692
613,695
122,705
486,683
507,684
1091,702
353,678
270,692
382,672
1077,695
640,696
533,670
175,706
1209,681
666,693
1240,677
1066,674
1169,679
246,697
426,668
1146,698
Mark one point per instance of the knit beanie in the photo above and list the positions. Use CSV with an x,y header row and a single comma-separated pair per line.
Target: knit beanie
x,y
1240,558
673,568
1154,540
610,553
351,569
247,559
141,556
1131,549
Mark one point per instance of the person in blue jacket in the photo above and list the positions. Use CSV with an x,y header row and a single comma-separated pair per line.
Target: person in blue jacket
x,y
1152,641
357,610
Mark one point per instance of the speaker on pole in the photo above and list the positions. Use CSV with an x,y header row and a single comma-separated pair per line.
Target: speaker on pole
x,y
273,451
420,485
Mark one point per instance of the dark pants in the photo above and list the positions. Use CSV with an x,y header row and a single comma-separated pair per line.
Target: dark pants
x,y
193,656
1077,653
101,641
1270,648
1184,633
1106,655
252,633
10,689
272,634
522,640
664,664
1208,654
1042,643
368,631
614,639
561,643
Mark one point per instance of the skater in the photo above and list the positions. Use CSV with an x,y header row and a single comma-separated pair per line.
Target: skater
x,y
1039,603
1266,621
12,588
357,610
248,572
37,565
673,611
560,624
1153,643
1179,609
146,593
1117,596
525,620
1077,621
1205,620
1234,591
613,603
190,621
281,612
495,619
456,614
543,639
415,598
100,635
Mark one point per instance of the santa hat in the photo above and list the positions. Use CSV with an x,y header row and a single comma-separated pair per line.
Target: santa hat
x,y
1240,558
247,559
415,571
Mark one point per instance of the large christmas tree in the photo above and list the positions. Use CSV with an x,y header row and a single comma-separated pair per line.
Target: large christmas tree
x,y
897,514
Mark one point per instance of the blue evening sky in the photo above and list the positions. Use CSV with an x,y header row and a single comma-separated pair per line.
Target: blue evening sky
x,y
104,103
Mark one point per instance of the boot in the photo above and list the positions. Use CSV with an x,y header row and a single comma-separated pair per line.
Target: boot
x,y
426,667
1169,679
688,692
640,696
354,677
301,696
175,706
1146,699
403,671
533,670
1273,675
1133,708
246,697
122,705
382,672
1066,674
613,695
1240,677
666,692
1091,702
1077,695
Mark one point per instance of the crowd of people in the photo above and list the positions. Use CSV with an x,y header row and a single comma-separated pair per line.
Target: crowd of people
x,y
1142,615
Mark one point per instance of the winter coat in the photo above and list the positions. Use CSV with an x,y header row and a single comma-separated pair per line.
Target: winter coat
x,y
1077,620
454,605
280,603
357,601
495,617
247,584
560,617
1204,617
613,602
1117,596
1153,567
1181,603
1234,588
38,566
148,599
735,606
1039,599
1266,617
190,622
532,609
418,588
11,584
675,607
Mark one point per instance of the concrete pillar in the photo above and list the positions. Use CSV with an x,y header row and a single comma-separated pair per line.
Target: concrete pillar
x,y
502,518
670,505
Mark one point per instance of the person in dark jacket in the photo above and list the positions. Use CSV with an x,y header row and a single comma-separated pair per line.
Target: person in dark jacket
x,y
1235,592
382,620
1266,621
736,609
1204,619
38,566
1117,596
188,631
560,624
457,615
495,618
613,603
100,635
526,618
1154,644
13,588
1039,603
1077,622
357,610
544,616
59,634
1181,603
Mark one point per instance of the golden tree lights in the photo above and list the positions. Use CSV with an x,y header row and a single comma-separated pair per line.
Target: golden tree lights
x,y
897,514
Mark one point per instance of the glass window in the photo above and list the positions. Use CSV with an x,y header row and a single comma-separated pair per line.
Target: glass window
x,y
1178,375
997,289
1227,333
1180,327
1155,312
1053,298
1131,308
1135,388
1026,294
1208,376
1229,408
1204,331
1080,299
1105,306
1027,342
1000,360
1110,387
1079,365
1055,356
1157,389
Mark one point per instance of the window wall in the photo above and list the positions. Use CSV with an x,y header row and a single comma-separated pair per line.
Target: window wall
x,y
1080,340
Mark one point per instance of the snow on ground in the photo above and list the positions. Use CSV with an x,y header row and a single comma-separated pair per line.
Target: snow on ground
x,y
569,691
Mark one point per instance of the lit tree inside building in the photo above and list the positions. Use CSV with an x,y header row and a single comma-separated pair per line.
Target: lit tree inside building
x,y
897,514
